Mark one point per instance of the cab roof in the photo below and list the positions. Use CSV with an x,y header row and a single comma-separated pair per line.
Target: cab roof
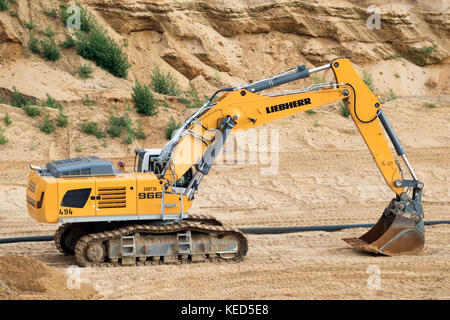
x,y
80,166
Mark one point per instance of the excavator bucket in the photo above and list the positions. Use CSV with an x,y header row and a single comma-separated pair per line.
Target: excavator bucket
x,y
392,235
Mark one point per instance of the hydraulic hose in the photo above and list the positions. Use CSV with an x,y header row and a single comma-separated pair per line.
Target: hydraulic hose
x,y
256,230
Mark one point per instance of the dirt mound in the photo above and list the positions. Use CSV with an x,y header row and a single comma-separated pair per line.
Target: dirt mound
x,y
25,278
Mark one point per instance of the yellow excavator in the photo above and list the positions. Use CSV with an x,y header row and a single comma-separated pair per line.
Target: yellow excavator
x,y
112,217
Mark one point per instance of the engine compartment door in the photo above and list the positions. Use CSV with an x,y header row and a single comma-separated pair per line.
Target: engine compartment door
x,y
75,197
115,195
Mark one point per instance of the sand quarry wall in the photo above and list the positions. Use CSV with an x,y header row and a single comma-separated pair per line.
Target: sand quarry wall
x,y
211,45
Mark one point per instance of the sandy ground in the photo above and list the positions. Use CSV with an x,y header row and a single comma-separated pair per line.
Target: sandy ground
x,y
325,174
325,177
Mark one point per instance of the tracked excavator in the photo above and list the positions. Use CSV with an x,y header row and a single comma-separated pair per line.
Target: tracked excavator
x,y
111,217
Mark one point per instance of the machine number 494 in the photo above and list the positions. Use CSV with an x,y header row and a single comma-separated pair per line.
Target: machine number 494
x,y
65,212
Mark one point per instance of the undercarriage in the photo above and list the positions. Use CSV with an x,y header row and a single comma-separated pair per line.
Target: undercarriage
x,y
196,239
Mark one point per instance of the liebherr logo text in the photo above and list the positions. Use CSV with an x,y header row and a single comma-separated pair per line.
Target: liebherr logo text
x,y
288,105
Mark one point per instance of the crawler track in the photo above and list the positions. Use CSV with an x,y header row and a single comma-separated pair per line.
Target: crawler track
x,y
58,238
200,224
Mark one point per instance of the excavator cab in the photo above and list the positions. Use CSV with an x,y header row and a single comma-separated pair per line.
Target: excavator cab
x,y
146,160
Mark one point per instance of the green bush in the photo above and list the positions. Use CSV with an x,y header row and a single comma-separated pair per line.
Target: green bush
x,y
310,112
143,100
7,119
63,14
29,25
171,127
32,111
3,139
93,43
343,109
50,50
49,32
61,119
116,125
51,13
68,43
14,14
85,71
92,129
430,105
87,101
367,78
164,84
193,100
140,131
51,103
392,95
33,45
429,50
18,99
4,5
122,126
128,138
47,125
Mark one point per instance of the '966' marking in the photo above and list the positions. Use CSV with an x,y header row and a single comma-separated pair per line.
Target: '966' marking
x,y
150,195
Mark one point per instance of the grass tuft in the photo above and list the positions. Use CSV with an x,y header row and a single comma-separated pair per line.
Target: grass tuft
x,y
47,125
85,71
143,100
7,119
343,110
164,83
92,128
50,50
171,127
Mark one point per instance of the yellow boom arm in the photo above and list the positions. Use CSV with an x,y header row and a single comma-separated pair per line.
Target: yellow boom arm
x,y
248,110
400,230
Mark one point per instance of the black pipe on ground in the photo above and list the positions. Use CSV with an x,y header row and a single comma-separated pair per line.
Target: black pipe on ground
x,y
260,230
278,230
27,239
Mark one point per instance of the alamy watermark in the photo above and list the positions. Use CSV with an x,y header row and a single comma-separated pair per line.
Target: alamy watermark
x,y
254,147
374,20
73,273
74,20
374,279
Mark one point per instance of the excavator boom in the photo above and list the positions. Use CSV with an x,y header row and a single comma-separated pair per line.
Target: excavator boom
x,y
400,229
